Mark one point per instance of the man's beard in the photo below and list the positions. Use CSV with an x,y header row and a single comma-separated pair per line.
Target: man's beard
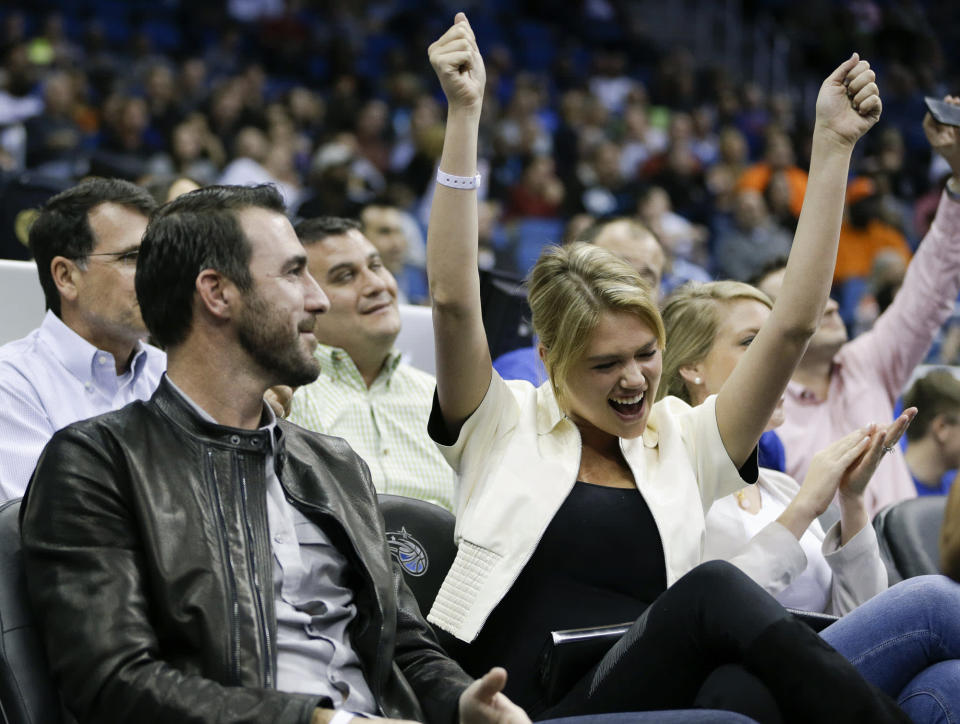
x,y
266,336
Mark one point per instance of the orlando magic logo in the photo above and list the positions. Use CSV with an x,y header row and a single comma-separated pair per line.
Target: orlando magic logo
x,y
408,552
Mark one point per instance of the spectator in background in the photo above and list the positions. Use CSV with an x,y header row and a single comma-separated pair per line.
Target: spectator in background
x,y
252,158
89,355
865,233
604,191
391,231
366,393
840,385
684,242
778,158
933,450
194,152
752,242
539,192
722,177
54,140
123,151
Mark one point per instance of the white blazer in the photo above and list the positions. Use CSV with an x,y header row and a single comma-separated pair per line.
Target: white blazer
x,y
517,457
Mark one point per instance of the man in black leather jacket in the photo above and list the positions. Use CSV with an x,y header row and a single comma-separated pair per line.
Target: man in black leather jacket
x,y
148,534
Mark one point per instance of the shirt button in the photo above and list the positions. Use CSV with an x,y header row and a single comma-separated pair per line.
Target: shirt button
x,y
386,451
102,359
88,387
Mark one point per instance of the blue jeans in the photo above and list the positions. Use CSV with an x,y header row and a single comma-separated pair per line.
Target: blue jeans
x,y
906,641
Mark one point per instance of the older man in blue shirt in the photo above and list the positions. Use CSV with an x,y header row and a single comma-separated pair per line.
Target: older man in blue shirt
x,y
89,355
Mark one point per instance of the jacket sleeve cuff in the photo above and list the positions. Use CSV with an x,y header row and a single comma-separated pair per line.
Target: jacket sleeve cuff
x,y
773,558
858,571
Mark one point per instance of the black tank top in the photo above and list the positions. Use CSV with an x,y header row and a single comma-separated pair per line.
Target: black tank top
x,y
600,562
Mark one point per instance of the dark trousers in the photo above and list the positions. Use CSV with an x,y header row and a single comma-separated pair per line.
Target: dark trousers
x,y
715,639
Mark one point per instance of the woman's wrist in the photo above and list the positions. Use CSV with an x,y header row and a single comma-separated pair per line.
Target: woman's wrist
x,y
797,517
826,140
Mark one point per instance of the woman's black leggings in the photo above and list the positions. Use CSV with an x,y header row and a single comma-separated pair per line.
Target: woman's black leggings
x,y
716,639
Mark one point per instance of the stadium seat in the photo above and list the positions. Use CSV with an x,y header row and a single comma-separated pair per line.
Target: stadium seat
x,y
27,694
21,299
908,533
415,340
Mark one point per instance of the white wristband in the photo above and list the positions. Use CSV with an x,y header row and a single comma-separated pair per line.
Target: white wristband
x,y
457,182
341,717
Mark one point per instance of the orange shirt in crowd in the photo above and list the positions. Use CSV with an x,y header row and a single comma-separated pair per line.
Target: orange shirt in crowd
x,y
858,247
757,176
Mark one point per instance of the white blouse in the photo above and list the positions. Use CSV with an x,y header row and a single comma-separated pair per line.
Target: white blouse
x,y
815,573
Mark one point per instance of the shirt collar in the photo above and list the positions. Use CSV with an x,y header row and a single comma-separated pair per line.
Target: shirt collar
x,y
268,420
78,355
803,393
335,362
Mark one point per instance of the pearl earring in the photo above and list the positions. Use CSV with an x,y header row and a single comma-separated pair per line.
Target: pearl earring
x,y
697,380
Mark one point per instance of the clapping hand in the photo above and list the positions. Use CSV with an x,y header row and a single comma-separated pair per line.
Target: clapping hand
x,y
456,60
849,101
882,440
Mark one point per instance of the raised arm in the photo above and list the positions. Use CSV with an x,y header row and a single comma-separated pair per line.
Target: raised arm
x,y
847,107
463,358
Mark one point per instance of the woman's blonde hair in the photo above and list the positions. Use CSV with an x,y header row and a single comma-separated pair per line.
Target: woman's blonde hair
x,y
692,316
570,288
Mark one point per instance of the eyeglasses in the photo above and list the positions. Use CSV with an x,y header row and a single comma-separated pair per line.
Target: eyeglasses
x,y
126,258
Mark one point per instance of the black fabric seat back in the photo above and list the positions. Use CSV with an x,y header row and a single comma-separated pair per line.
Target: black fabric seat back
x,y
27,694
909,533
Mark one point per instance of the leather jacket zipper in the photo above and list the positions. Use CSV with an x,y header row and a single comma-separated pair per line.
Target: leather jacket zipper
x,y
251,560
231,575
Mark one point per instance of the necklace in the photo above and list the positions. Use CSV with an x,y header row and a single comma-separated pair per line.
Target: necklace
x,y
744,501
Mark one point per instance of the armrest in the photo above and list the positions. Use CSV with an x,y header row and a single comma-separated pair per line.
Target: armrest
x,y
814,619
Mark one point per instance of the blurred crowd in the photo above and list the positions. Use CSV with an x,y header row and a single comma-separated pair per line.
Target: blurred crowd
x,y
591,112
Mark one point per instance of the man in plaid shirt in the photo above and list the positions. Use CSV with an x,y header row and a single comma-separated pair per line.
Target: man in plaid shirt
x,y
365,393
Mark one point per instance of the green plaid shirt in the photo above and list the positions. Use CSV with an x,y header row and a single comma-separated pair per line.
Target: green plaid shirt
x,y
386,424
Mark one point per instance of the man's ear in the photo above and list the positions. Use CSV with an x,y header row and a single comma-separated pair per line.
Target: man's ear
x,y
938,428
65,273
217,294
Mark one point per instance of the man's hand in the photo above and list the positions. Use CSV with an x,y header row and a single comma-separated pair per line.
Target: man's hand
x,y
849,101
944,139
484,703
279,399
456,60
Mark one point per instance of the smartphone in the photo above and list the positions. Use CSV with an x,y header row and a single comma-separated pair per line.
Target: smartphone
x,y
943,112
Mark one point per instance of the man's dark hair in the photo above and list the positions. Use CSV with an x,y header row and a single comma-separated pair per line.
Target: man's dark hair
x,y
199,230
312,231
62,227
936,393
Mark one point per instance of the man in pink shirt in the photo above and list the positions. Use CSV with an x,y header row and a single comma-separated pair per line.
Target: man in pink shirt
x,y
841,385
